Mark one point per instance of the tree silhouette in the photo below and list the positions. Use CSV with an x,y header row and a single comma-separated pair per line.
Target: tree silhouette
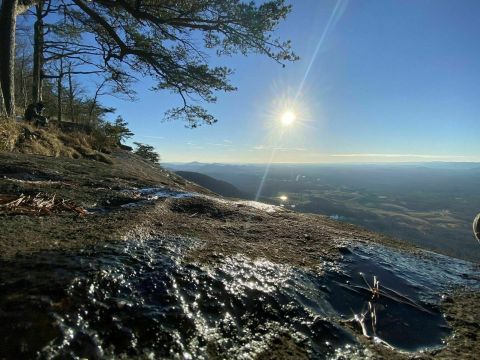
x,y
147,152
171,41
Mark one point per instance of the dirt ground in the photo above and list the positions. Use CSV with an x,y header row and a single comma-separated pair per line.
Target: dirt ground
x,y
84,203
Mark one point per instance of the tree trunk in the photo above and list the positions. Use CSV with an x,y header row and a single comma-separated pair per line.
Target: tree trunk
x,y
8,21
20,81
94,102
71,94
3,111
24,82
38,54
92,108
59,93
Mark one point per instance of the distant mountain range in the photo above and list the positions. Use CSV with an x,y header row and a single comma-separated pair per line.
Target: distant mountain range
x,y
217,186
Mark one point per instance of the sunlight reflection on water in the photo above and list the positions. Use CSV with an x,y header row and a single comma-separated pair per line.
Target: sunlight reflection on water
x,y
141,299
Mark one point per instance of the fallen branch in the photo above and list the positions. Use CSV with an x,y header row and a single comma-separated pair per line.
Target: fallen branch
x,y
38,204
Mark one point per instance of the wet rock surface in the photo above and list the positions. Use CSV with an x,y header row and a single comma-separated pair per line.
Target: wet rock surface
x,y
163,268
143,299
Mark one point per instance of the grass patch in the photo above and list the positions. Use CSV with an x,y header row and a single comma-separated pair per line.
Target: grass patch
x,y
9,133
50,141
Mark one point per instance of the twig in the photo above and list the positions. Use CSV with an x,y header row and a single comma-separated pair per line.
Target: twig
x,y
40,203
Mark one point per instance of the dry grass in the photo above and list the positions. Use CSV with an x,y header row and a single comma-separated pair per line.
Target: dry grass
x,y
27,139
9,133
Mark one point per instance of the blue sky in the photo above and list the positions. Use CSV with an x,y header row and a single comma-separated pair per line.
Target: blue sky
x,y
393,80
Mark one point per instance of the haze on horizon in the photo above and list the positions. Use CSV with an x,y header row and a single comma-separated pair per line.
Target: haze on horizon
x,y
378,81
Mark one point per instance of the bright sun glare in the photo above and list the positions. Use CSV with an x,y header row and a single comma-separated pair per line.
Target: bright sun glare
x,y
288,118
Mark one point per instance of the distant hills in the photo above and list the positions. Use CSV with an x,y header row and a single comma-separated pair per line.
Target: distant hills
x,y
217,186
430,204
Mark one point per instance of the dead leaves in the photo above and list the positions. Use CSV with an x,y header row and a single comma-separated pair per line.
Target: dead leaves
x,y
40,204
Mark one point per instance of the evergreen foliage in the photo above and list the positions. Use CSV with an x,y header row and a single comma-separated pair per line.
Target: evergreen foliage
x,y
147,152
117,132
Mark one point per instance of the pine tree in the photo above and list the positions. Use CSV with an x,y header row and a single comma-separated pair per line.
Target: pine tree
x,y
147,152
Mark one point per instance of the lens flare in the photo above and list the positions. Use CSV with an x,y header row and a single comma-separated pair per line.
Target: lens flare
x,y
288,118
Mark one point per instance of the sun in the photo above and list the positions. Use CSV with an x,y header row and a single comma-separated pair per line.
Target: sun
x,y
288,118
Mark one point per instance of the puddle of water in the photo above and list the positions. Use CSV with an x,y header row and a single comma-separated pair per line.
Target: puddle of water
x,y
406,312
139,299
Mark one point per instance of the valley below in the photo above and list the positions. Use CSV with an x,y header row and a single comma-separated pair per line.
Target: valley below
x,y
431,205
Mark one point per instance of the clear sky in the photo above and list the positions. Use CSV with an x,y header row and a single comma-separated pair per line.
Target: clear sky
x,y
392,80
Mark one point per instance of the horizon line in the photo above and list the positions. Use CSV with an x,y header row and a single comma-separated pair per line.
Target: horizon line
x,y
327,163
